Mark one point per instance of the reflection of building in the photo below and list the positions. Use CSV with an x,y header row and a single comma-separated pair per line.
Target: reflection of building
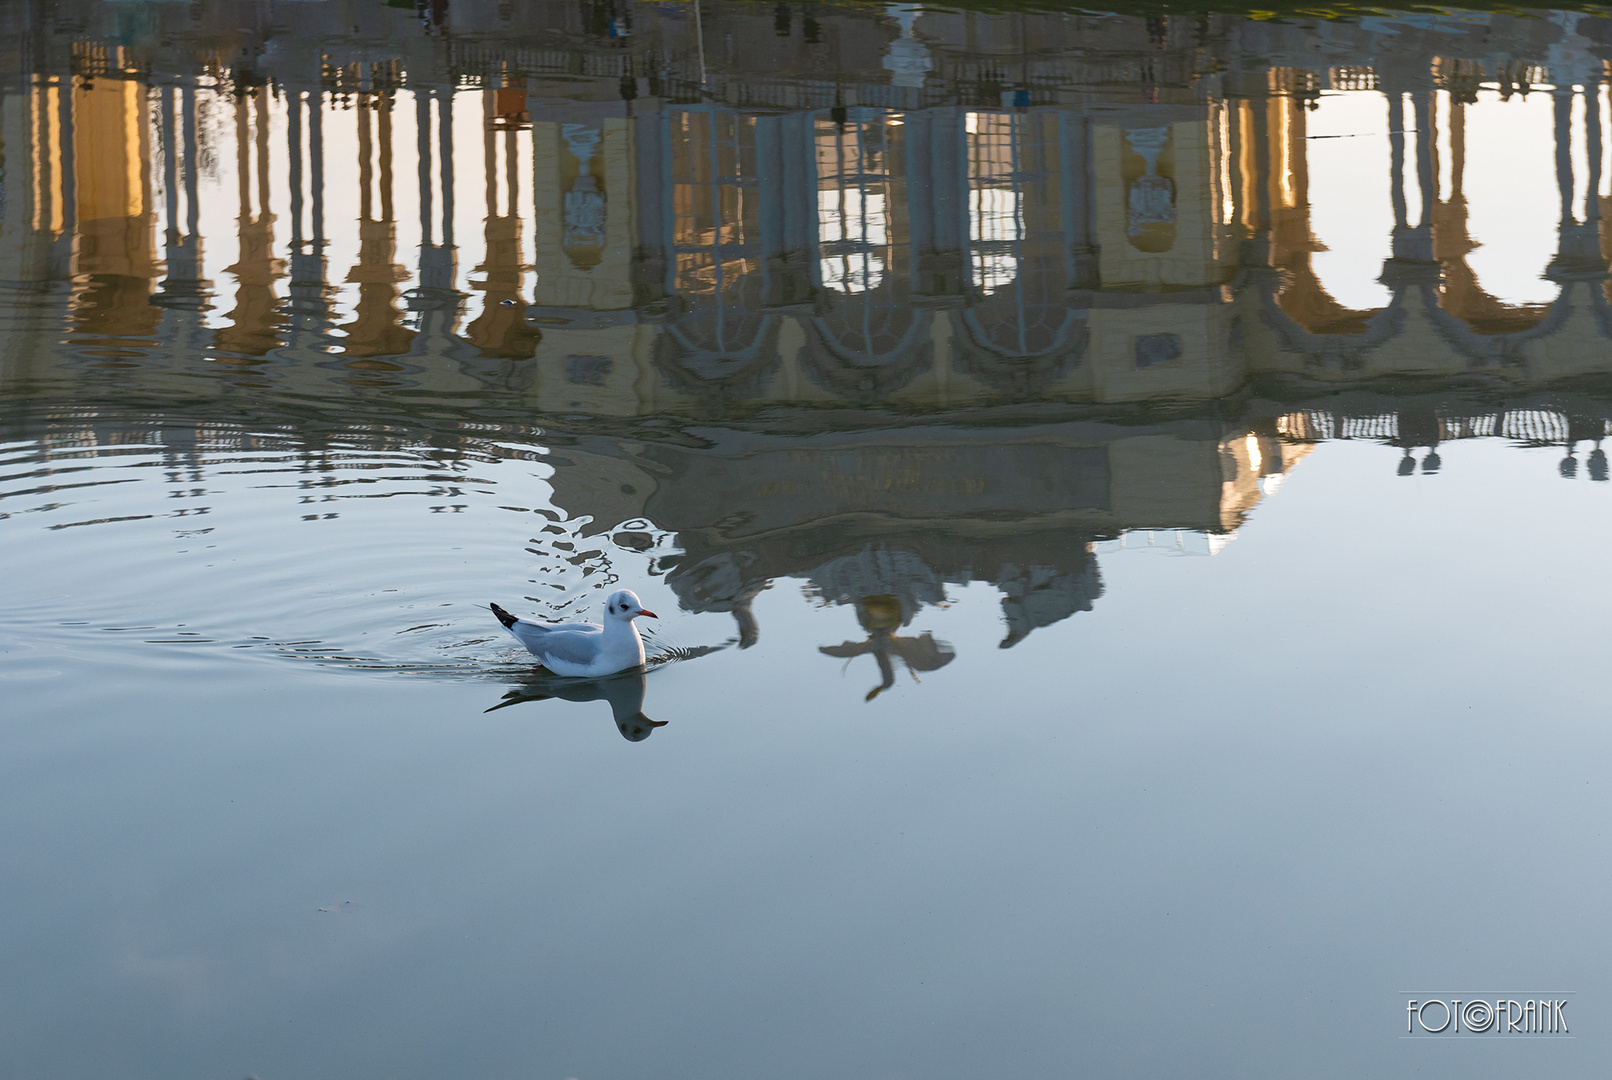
x,y
1084,229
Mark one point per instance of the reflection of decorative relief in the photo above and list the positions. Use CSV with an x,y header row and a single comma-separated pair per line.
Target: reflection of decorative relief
x,y
908,59
584,204
1151,218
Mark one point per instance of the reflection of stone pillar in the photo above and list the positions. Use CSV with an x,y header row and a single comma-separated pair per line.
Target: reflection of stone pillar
x,y
254,321
183,286
438,262
937,187
1411,260
376,329
308,304
1578,247
501,330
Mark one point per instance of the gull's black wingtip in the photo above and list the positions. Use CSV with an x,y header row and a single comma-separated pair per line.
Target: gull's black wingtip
x,y
503,616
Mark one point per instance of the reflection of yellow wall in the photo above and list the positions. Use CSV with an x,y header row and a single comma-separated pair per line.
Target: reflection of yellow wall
x,y
561,282
1206,366
617,357
110,151
1244,460
1190,259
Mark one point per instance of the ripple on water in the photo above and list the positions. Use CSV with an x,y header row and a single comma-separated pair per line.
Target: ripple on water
x,y
349,548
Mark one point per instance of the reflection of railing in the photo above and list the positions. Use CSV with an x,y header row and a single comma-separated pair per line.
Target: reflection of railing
x,y
1538,426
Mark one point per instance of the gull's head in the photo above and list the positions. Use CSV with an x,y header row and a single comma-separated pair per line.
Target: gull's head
x,y
623,604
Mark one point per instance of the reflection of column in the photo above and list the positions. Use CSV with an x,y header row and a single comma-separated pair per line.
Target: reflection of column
x,y
183,286
1411,261
376,329
254,321
1578,249
501,329
309,303
438,262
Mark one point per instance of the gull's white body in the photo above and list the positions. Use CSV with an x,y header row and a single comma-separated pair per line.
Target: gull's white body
x,y
585,650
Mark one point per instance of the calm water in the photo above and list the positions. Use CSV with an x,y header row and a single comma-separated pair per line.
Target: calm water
x,y
1125,497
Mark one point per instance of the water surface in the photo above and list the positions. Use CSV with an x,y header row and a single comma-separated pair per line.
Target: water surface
x,y
1123,494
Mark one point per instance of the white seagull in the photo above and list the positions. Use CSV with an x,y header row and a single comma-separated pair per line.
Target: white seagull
x,y
585,650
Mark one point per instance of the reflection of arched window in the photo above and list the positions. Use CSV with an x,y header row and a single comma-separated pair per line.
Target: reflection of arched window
x,y
716,232
1019,332
853,199
868,339
722,342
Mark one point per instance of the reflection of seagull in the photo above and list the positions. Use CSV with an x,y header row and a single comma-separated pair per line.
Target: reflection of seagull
x,y
624,691
587,650
880,616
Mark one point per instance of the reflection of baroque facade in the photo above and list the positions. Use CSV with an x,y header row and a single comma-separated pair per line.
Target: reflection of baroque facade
x,y
978,215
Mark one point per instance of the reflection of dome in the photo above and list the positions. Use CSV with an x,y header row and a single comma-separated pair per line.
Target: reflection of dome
x,y
895,577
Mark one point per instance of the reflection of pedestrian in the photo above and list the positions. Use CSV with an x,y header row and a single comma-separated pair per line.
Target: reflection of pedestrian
x,y
880,616
1569,465
1597,464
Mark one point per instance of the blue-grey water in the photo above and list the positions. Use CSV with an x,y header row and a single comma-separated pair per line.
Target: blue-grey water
x,y
1124,496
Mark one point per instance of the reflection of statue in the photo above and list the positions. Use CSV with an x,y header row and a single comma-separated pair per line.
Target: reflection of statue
x,y
584,204
881,616
1151,223
624,692
908,59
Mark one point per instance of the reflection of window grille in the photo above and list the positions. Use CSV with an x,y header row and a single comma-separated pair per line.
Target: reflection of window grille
x,y
995,199
852,231
853,227
1018,249
716,229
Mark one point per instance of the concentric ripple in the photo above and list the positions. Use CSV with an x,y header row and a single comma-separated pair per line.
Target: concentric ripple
x,y
358,547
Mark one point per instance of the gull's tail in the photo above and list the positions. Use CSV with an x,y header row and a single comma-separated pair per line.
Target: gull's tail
x,y
503,616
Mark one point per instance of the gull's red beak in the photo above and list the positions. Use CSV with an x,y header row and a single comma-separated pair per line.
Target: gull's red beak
x,y
651,614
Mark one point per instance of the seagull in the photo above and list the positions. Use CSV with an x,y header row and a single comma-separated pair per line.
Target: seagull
x,y
585,650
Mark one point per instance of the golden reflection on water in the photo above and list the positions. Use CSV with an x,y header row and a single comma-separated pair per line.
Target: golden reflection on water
x,y
957,296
